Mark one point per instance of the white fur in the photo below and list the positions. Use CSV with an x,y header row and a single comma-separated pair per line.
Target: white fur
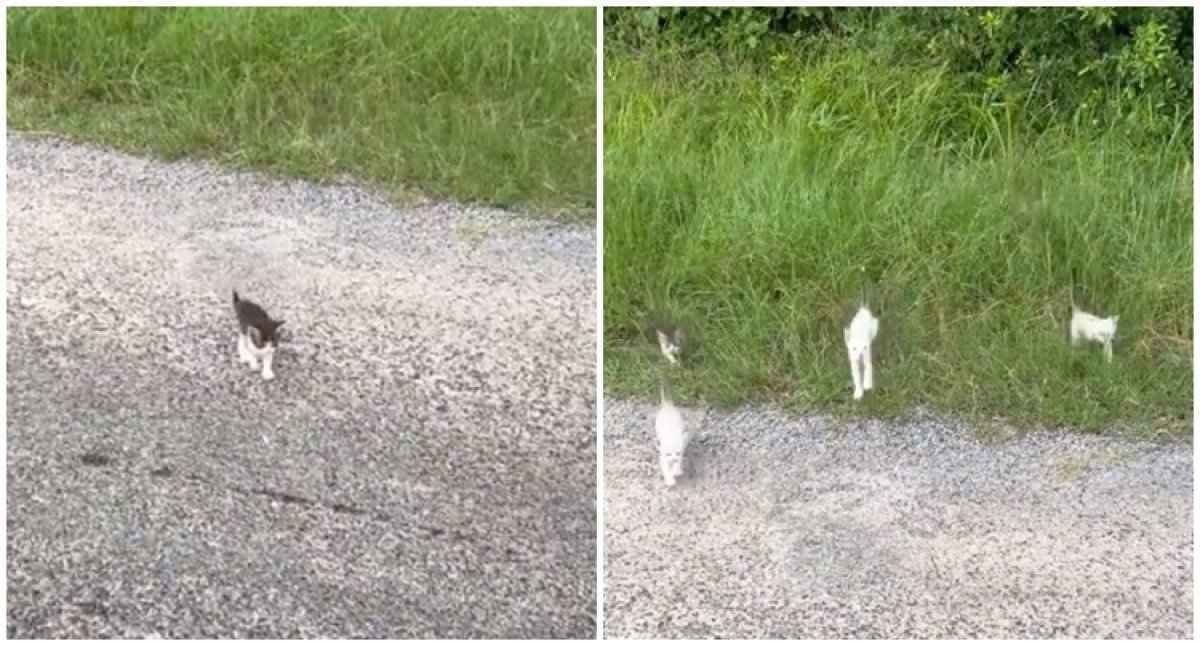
x,y
672,441
859,336
669,347
1089,327
249,353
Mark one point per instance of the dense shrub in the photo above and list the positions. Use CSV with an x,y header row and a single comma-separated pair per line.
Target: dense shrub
x,y
1089,64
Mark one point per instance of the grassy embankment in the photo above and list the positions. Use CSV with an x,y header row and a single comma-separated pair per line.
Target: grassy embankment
x,y
745,201
482,105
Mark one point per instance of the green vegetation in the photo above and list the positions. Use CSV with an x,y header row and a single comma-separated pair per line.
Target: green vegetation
x,y
488,105
751,182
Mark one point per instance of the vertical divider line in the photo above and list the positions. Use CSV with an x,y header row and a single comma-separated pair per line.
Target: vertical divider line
x,y
1195,310
599,321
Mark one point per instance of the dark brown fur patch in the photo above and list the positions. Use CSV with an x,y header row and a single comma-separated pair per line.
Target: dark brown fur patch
x,y
254,321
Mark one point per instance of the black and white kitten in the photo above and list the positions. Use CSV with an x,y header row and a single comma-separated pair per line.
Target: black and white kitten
x,y
258,335
670,343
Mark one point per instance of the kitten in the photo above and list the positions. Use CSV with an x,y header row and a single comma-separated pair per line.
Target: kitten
x,y
1089,327
859,335
670,344
257,335
672,438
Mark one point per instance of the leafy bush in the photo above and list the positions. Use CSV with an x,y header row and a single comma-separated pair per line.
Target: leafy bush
x,y
1106,65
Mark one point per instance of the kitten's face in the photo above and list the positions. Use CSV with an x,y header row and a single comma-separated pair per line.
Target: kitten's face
x,y
265,335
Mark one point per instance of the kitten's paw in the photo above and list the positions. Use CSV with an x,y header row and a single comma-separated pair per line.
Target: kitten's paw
x,y
268,376
858,394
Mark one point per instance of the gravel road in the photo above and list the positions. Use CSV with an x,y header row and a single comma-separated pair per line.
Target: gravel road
x,y
811,528
423,465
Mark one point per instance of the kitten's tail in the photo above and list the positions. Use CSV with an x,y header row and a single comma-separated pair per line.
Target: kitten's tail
x,y
1074,282
862,294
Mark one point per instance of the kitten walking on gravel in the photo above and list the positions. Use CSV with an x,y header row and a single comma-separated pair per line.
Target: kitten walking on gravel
x,y
672,437
1089,327
859,335
257,335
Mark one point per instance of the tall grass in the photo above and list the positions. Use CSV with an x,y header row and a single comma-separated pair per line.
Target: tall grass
x,y
494,105
748,204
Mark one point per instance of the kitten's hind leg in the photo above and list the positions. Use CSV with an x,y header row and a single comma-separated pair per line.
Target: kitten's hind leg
x,y
1108,351
868,370
854,374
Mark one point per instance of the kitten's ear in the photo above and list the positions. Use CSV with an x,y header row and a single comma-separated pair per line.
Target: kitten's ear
x,y
279,324
662,337
679,336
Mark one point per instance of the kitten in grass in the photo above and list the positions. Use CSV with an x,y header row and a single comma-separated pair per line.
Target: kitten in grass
x,y
1089,327
670,343
859,335
672,437
258,335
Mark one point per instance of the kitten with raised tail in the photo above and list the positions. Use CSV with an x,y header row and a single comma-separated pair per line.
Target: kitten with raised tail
x,y
672,437
670,343
859,335
258,335
1089,327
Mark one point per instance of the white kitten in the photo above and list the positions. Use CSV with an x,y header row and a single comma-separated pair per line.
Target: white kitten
x,y
859,336
672,438
1089,327
670,344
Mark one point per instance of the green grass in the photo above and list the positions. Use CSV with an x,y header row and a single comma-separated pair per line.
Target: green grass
x,y
481,105
745,203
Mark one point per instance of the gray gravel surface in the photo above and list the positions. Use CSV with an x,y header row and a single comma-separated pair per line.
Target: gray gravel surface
x,y
808,527
423,464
